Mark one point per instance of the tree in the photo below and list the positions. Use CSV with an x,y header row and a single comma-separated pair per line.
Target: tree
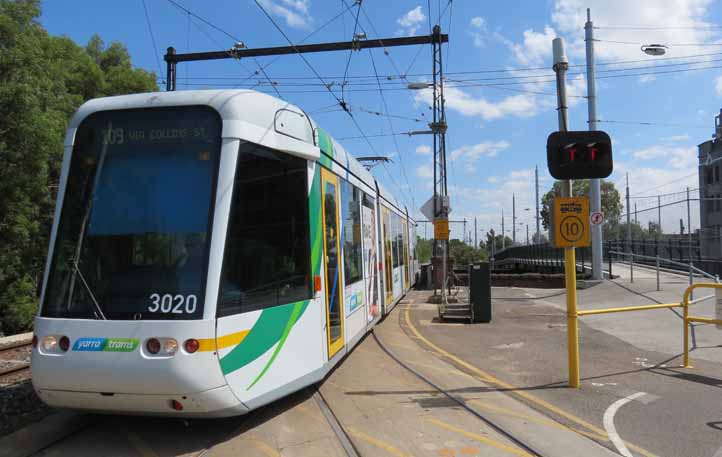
x,y
611,203
494,242
43,80
423,249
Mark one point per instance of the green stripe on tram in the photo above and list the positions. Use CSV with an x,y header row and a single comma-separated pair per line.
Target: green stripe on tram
x,y
326,145
275,324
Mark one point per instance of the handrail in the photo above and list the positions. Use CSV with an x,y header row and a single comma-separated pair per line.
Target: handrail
x,y
687,318
670,261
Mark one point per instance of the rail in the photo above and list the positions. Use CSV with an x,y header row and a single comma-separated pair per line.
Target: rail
x,y
687,319
658,261
700,320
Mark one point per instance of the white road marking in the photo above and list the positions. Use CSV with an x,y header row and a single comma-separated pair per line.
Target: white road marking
x,y
609,423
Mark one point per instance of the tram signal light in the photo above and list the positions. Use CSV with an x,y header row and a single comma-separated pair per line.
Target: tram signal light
x,y
579,155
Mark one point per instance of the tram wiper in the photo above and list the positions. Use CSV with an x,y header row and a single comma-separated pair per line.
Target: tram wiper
x,y
98,310
83,224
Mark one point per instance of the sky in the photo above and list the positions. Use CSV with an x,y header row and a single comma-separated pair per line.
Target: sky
x,y
499,91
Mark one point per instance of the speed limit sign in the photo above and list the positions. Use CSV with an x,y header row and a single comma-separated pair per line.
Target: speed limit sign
x,y
571,222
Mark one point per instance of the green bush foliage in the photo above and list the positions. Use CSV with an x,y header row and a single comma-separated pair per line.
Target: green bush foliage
x,y
43,80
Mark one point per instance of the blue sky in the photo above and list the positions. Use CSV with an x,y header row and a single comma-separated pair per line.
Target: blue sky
x,y
497,133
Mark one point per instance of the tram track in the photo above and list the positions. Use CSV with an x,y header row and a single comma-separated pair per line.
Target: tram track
x,y
486,420
10,366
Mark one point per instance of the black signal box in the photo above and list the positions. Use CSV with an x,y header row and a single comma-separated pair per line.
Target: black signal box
x,y
579,154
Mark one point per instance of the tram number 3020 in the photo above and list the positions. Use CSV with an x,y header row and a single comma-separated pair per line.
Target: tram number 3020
x,y
173,304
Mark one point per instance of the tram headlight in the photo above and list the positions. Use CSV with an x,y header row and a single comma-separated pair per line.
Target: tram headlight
x,y
170,346
49,342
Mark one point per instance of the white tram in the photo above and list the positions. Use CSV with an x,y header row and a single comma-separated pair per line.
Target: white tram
x,y
212,251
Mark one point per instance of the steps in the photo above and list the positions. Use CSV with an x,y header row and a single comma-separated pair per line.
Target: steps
x,y
457,311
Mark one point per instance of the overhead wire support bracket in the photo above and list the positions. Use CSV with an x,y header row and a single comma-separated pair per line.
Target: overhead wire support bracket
x,y
172,58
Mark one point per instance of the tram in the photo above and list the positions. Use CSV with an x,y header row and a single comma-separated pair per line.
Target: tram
x,y
211,252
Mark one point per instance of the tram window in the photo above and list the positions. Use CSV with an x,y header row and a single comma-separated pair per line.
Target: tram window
x,y
266,261
351,214
134,231
395,237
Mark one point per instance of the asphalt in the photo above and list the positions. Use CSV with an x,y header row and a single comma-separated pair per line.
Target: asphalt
x,y
621,355
503,389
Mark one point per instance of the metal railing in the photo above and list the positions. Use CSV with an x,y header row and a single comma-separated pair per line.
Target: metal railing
x,y
685,304
658,261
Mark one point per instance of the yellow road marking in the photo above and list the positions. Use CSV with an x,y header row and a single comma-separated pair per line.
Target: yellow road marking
x,y
491,379
378,443
212,344
542,421
141,446
479,438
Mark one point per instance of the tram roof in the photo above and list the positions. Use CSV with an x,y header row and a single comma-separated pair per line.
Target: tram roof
x,y
246,114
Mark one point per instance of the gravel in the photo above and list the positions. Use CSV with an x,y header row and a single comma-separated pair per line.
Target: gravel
x,y
20,406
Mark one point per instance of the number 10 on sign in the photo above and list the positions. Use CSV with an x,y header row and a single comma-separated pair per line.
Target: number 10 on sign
x,y
571,222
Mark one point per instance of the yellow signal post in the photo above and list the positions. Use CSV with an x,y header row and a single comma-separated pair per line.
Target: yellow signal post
x,y
571,229
441,229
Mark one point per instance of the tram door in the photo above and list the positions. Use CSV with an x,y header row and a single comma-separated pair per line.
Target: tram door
x,y
332,249
388,263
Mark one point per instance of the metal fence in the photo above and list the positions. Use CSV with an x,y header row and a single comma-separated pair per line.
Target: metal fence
x,y
676,253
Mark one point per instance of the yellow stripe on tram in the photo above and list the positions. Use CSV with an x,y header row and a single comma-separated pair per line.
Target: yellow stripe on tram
x,y
212,344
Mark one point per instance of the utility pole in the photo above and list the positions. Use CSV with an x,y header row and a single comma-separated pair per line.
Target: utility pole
x,y
659,214
636,219
629,234
536,184
476,241
503,233
527,234
561,64
513,219
595,194
464,232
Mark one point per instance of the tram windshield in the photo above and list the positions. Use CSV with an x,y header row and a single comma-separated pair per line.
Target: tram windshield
x,y
134,231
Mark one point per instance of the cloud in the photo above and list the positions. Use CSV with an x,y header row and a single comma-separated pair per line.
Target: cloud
x,y
470,154
718,86
535,49
676,157
478,31
425,171
678,21
423,150
675,138
411,21
522,105
294,12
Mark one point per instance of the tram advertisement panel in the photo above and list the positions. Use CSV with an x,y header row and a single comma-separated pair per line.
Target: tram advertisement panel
x,y
370,261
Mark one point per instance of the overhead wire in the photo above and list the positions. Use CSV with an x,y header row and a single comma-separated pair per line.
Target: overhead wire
x,y
661,27
351,51
669,44
235,39
152,39
280,30
391,126
652,123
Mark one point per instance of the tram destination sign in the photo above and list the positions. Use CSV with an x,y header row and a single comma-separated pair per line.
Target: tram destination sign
x,y
570,222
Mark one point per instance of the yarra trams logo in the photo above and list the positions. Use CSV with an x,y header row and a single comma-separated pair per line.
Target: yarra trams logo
x,y
106,344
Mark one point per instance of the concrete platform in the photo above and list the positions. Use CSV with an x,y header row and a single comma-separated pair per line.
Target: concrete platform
x,y
630,370
385,408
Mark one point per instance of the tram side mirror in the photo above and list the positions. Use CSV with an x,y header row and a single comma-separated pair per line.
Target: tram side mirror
x,y
579,155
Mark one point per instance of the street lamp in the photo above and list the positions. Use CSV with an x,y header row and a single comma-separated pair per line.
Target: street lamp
x,y
654,49
418,86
